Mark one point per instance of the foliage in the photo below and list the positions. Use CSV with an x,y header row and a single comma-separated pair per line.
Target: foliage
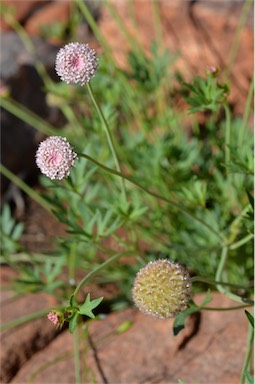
x,y
10,233
186,193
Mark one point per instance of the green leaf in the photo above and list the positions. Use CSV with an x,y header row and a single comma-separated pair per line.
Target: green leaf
x,y
249,377
73,302
180,320
87,307
124,326
251,199
73,322
250,318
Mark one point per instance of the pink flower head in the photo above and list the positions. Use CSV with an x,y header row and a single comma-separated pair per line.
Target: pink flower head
x,y
76,63
212,69
53,317
55,157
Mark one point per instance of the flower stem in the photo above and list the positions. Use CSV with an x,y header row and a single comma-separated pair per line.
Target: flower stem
x,y
108,135
24,114
25,319
246,114
236,307
223,259
241,242
227,134
181,208
157,22
95,270
77,367
24,187
248,354
215,282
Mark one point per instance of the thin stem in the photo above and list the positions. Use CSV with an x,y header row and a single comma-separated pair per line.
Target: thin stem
x,y
216,282
241,242
131,11
236,307
27,116
133,41
248,354
224,255
73,120
246,114
227,134
93,25
108,135
237,37
72,263
25,319
235,225
108,52
95,270
181,208
223,259
157,21
29,191
77,367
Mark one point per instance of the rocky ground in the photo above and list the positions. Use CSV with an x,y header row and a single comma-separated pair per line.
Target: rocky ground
x,y
212,347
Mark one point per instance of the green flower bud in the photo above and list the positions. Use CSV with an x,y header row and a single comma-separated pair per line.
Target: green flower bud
x,y
162,289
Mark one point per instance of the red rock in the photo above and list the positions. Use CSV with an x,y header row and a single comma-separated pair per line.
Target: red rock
x,y
56,12
210,350
21,10
20,343
204,37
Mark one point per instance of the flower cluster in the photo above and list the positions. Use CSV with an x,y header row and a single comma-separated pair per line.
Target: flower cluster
x,y
76,63
55,157
162,289
53,317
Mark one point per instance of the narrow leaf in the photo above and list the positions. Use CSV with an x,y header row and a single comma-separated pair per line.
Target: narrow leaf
x,y
73,322
250,318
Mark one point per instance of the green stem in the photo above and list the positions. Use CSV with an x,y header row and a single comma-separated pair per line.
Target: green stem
x,y
221,265
72,263
227,135
215,282
246,114
157,22
108,52
133,42
237,307
77,367
241,242
223,259
237,37
29,191
95,270
248,354
94,26
27,116
72,119
25,319
109,137
181,208
131,13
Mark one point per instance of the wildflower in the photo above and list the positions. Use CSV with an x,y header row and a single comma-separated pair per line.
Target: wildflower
x,y
162,289
211,69
53,317
55,157
76,63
